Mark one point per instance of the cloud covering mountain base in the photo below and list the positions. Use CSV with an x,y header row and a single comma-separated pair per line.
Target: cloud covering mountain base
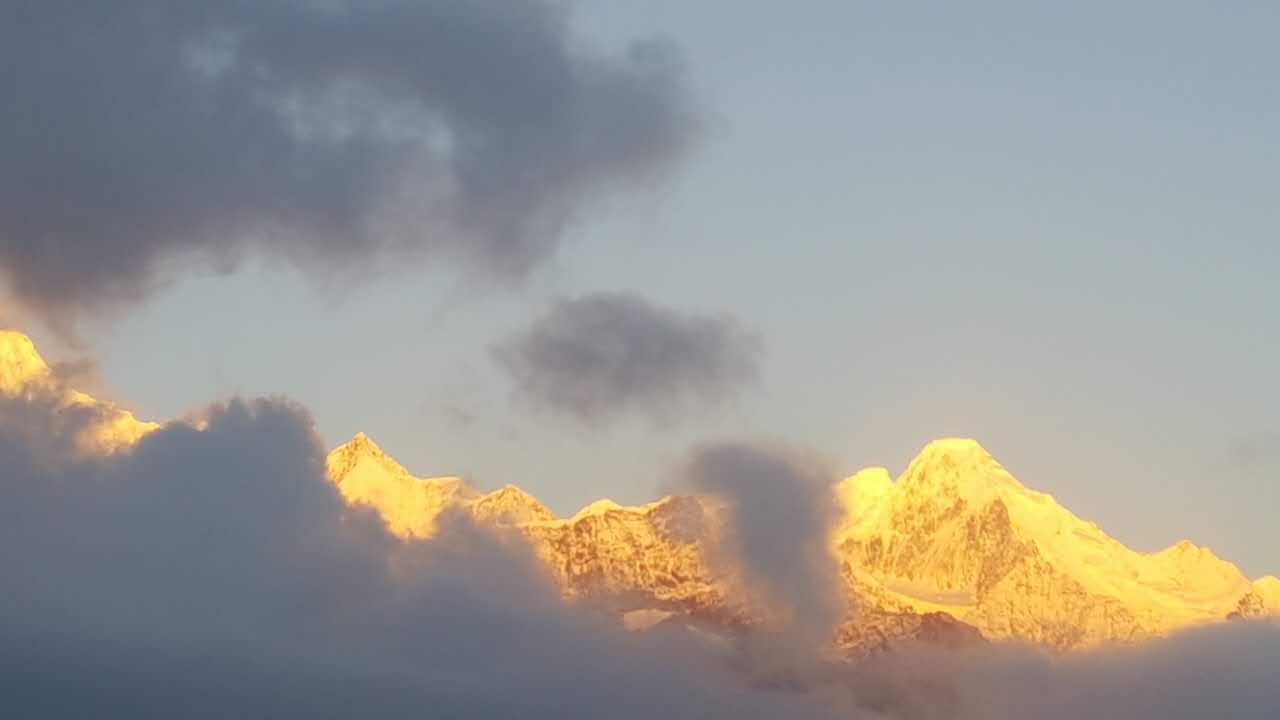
x,y
211,570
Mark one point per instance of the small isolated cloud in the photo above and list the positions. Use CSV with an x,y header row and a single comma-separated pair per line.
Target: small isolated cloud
x,y
1255,450
144,136
604,355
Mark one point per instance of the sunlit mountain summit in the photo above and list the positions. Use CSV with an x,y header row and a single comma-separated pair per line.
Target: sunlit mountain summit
x,y
641,556
954,548
956,533
97,426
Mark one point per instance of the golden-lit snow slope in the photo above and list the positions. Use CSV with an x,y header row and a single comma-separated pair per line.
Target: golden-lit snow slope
x,y
955,534
408,505
653,554
100,427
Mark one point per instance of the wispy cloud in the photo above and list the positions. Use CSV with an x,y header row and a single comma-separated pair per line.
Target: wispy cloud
x,y
781,510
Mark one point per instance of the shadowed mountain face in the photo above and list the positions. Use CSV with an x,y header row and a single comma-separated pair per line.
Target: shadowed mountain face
x,y
953,551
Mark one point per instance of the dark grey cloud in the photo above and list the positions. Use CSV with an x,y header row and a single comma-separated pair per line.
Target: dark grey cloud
x,y
143,135
1222,671
781,510
1255,450
604,355
216,573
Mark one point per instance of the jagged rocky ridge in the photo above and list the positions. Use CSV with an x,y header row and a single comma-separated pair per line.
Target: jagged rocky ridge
x,y
955,550
651,556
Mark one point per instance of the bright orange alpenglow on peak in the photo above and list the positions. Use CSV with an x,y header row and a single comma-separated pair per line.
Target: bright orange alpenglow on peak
x,y
20,363
955,548
956,540
104,428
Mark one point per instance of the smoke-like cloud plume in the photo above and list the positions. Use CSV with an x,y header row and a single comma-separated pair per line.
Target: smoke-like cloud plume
x,y
781,509
144,135
601,356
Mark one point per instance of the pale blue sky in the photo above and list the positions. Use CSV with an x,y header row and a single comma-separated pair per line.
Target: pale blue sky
x,y
1051,227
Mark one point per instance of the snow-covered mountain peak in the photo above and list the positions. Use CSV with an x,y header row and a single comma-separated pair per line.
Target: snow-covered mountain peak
x,y
605,505
363,441
360,448
954,446
1268,588
952,468
509,505
870,483
20,362
955,537
1185,551
599,507
360,444
409,505
103,428
957,533
863,492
